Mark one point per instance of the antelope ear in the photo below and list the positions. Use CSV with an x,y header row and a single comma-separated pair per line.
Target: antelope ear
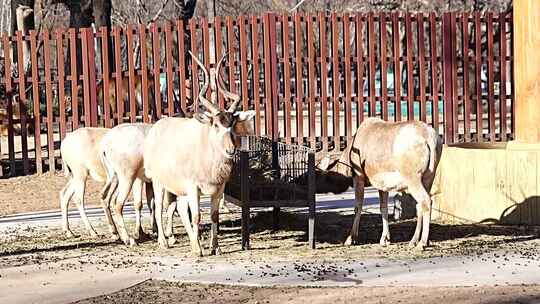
x,y
324,163
203,118
244,115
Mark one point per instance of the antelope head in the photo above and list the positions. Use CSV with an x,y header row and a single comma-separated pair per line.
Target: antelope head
x,y
222,123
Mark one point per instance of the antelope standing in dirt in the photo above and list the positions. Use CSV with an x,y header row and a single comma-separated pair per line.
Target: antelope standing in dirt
x,y
190,157
390,156
81,158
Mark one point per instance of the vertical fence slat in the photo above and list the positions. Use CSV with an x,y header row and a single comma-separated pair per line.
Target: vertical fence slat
x,y
421,65
107,110
466,97
372,68
434,71
335,81
49,96
118,76
232,52
502,83
324,78
169,70
410,67
86,86
311,82
274,76
219,52
287,82
397,66
181,64
243,62
157,69
478,78
22,103
348,78
9,95
194,67
36,100
491,93
255,57
61,82
144,74
92,78
359,71
455,85
298,38
447,77
131,75
384,65
74,78
267,77
205,49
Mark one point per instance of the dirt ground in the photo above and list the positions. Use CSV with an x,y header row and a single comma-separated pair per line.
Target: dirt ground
x,y
153,291
36,245
39,193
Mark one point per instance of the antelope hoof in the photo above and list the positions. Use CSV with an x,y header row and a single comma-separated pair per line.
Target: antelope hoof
x,y
162,242
412,243
69,234
132,242
171,240
215,251
93,234
196,250
115,237
348,241
420,247
384,242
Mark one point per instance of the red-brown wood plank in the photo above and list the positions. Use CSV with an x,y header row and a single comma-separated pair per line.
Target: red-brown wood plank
x,y
107,110
298,52
455,95
61,81
421,65
232,52
491,85
35,98
503,69
335,81
131,75
49,96
243,62
267,76
9,93
312,82
145,97
397,66
287,75
206,52
118,75
92,79
324,78
194,66
372,65
274,75
74,78
22,102
466,67
434,70
181,64
86,86
169,68
348,78
219,53
157,68
410,67
478,80
255,71
359,70
384,65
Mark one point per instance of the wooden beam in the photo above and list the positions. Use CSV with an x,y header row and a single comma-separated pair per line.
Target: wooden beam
x,y
527,70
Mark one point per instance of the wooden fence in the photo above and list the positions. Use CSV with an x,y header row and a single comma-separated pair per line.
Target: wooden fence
x,y
310,78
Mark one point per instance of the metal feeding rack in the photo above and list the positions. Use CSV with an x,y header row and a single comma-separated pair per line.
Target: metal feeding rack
x,y
272,174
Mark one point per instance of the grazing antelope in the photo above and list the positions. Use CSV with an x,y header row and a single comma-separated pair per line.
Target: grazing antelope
x,y
190,157
80,155
390,156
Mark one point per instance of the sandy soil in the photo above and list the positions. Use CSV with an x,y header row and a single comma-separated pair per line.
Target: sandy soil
x,y
39,193
169,292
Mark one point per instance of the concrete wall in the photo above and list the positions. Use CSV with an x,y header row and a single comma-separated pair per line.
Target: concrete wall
x,y
495,183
